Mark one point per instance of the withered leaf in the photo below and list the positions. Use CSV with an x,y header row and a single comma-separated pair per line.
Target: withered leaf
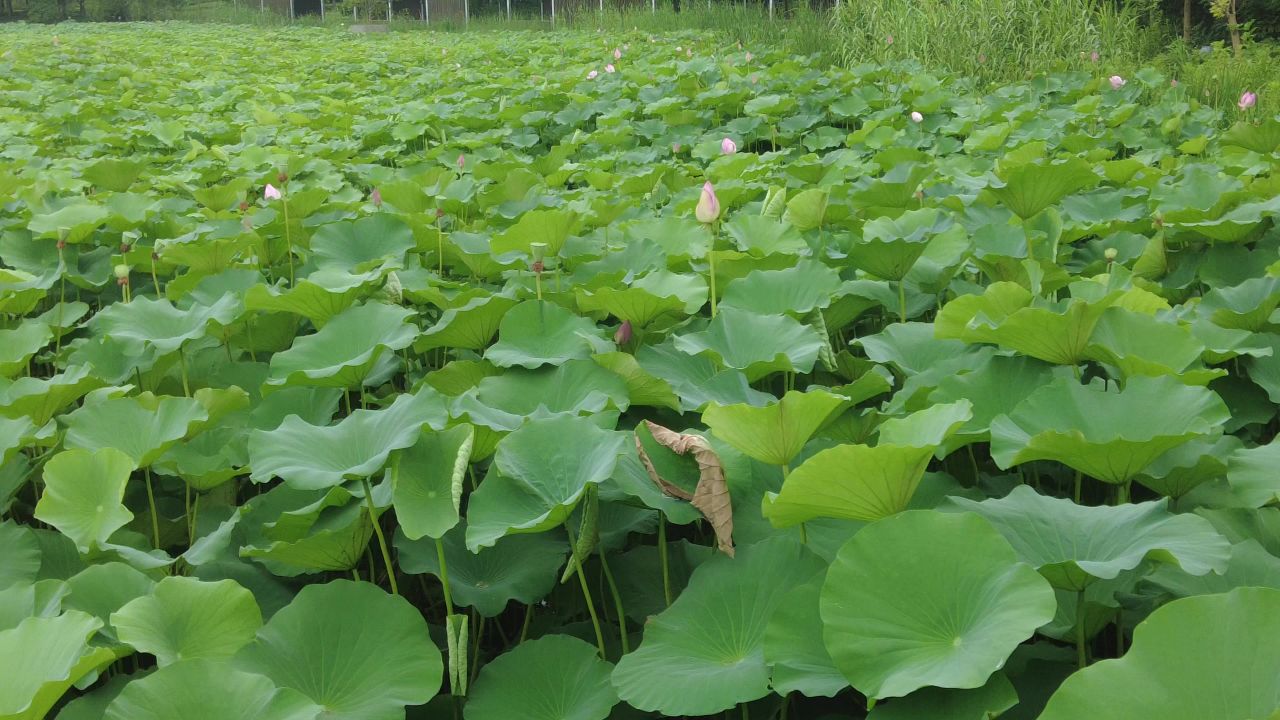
x,y
711,496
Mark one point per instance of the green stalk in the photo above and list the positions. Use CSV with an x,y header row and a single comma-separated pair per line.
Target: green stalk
x,y
586,594
444,577
1081,656
288,239
662,556
382,539
902,300
182,362
1077,487
528,618
711,260
155,517
617,603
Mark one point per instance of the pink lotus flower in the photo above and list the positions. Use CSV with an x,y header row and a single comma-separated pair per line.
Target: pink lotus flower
x,y
728,147
1117,82
750,57
1248,100
592,75
617,54
1093,56
462,161
708,209
375,197
888,40
675,147
623,335
754,78
916,117
1173,82
271,193
610,68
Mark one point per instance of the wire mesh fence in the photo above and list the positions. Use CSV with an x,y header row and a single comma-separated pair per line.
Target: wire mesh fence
x,y
461,12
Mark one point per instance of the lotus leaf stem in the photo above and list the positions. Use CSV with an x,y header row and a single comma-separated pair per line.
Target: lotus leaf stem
x,y
382,539
586,594
617,603
444,577
1082,658
151,499
662,557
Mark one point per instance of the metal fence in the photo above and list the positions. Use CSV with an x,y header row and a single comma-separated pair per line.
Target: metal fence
x,y
460,12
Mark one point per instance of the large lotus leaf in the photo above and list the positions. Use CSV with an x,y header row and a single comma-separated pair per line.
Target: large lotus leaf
x,y
202,689
470,326
776,433
317,297
21,552
19,344
859,482
993,389
929,599
1209,656
1141,344
696,379
913,347
988,701
755,344
679,236
358,246
539,473
157,323
84,495
1189,465
351,648
890,246
1250,566
17,433
143,427
1109,436
292,532
796,290
1073,545
649,297
551,227
314,456
536,333
1031,187
100,590
427,481
20,292
212,457
577,387
1265,371
344,352
760,235
74,222
42,658
556,677
794,648
1251,473
1247,306
42,398
705,653
185,618
518,567
642,387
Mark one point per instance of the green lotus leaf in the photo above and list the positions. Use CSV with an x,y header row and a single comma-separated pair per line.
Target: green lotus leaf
x,y
1182,469
549,226
21,292
755,344
760,235
807,208
993,389
345,351
19,344
143,427
794,648
212,457
1247,306
646,299
1140,344
1186,662
203,689
146,322
1251,474
351,648
359,246
523,568
22,555
696,379
75,221
989,701
578,387
42,658
84,495
318,297
556,677
539,473
928,599
1073,545
185,618
41,398
17,433
1264,371
470,326
798,290
705,653
1260,137
536,333
643,388
427,481
1031,187
100,590
310,456
890,246
114,174
1250,566
912,347
1109,436
776,433
292,532
680,237
859,482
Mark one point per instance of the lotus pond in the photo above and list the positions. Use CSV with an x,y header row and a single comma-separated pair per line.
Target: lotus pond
x,y
545,376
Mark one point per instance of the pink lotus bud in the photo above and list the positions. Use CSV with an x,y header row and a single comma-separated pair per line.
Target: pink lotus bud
x,y
888,40
1093,56
375,197
916,117
708,209
609,68
750,57
623,335
462,161
1248,100
244,206
1173,83
1117,82
617,54
271,193
728,146
675,147
592,75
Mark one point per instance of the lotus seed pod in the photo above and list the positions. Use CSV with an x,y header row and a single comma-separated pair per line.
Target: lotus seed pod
x,y
121,271
1110,254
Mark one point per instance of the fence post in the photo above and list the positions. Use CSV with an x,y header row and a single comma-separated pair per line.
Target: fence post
x,y
466,13
553,13
508,10
388,11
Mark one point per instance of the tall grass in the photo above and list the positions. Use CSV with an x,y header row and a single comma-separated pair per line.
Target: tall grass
x,y
994,40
